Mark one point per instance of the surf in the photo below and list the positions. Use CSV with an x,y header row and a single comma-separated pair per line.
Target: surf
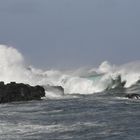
x,y
13,68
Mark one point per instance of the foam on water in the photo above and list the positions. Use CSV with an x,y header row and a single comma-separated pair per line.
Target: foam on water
x,y
89,81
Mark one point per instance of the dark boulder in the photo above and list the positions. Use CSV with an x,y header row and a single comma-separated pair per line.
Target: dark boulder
x,y
20,92
116,83
133,96
55,89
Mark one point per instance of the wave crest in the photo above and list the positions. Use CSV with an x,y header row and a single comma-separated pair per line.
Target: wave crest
x,y
13,68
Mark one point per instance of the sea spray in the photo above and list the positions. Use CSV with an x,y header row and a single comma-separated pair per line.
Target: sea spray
x,y
88,81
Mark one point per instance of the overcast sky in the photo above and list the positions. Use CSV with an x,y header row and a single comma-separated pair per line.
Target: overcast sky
x,y
72,33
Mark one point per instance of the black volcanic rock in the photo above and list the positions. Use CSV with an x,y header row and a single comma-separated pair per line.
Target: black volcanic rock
x,y
133,96
20,92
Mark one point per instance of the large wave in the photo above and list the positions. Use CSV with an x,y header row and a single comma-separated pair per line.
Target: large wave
x,y
14,68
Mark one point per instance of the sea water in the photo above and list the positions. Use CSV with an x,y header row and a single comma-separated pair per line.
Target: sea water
x,y
89,117
93,105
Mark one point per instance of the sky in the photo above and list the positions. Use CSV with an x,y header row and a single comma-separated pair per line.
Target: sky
x,y
72,33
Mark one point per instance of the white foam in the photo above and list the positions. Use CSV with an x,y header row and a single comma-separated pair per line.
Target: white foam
x,y
14,68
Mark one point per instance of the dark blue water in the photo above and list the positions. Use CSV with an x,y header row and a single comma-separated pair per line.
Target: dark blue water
x,y
88,117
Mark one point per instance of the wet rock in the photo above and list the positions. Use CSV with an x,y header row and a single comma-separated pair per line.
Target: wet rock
x,y
20,92
116,83
55,89
133,96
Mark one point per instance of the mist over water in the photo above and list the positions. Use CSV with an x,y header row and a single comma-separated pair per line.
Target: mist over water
x,y
101,102
14,68
104,113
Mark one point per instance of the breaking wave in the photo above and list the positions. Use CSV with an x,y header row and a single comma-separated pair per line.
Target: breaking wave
x,y
13,68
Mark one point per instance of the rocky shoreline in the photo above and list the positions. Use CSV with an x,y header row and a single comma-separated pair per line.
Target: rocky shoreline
x,y
20,92
13,91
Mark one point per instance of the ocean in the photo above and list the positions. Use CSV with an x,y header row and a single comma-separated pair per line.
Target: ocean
x,y
92,105
89,117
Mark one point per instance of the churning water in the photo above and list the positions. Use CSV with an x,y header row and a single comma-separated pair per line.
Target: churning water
x,y
92,107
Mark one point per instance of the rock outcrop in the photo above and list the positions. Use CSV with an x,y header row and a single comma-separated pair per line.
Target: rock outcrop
x,y
133,96
55,89
20,92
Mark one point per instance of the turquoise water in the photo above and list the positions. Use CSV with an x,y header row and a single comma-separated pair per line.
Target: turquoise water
x,y
94,77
